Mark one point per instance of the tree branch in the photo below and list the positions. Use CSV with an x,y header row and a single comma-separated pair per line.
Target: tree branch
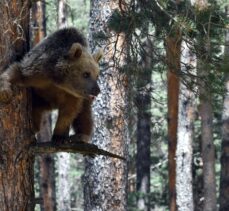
x,y
73,144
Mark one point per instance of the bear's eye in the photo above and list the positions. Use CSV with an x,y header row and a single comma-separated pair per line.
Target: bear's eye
x,y
86,75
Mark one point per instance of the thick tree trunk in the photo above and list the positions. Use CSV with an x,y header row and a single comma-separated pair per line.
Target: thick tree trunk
x,y
184,198
105,180
173,48
224,177
143,103
46,162
16,163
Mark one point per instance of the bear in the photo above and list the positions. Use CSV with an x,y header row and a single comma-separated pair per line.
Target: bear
x,y
62,74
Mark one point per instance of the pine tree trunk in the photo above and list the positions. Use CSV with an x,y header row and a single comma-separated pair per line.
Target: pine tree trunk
x,y
46,162
224,177
206,115
16,163
63,164
105,179
186,112
47,168
208,149
143,103
62,14
173,48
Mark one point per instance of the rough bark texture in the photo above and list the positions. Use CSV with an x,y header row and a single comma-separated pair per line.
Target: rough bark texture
x,y
173,47
16,164
143,103
184,139
105,179
224,178
46,162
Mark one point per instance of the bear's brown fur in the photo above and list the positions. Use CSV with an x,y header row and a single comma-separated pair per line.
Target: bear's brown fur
x,y
63,75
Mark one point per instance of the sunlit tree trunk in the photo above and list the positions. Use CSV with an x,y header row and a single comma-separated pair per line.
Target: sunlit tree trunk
x,y
173,48
224,177
62,13
105,179
46,162
143,103
16,163
184,198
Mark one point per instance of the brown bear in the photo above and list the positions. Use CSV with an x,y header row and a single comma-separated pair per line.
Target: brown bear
x,y
62,75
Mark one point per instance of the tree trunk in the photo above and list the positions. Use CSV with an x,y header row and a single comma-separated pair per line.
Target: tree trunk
x,y
208,149
224,177
63,164
143,103
47,168
62,14
173,48
206,113
184,198
105,179
46,162
16,163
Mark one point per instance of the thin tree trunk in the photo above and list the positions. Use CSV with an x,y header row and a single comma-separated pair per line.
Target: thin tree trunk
x,y
173,48
63,165
224,177
16,163
186,112
46,162
208,149
105,179
206,115
62,14
47,168
143,102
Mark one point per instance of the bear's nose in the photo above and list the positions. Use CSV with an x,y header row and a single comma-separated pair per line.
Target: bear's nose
x,y
96,90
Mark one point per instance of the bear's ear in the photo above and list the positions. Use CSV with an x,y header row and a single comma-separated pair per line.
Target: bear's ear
x,y
75,51
98,55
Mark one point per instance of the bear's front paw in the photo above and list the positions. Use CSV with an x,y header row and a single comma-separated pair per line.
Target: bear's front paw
x,y
84,138
59,139
6,92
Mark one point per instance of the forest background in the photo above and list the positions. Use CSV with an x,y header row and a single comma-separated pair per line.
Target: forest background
x,y
163,106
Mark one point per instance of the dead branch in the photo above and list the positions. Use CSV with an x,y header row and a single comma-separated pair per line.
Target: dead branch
x,y
73,144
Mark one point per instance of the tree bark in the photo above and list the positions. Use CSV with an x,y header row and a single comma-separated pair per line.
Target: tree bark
x,y
16,162
224,177
184,198
173,48
105,179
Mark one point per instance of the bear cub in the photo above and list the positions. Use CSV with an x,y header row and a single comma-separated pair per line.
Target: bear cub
x,y
62,75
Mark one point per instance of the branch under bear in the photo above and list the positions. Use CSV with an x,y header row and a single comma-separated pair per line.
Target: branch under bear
x,y
72,145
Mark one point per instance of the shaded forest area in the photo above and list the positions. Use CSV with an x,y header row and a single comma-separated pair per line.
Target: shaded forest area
x,y
164,106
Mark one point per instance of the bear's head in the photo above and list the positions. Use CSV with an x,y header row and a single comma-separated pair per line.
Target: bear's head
x,y
80,72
